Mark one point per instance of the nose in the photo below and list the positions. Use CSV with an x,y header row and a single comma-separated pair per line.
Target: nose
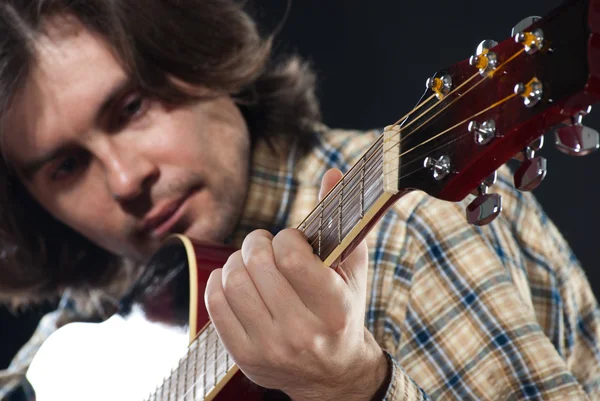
x,y
129,173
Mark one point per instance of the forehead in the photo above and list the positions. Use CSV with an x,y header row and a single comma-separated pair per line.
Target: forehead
x,y
73,71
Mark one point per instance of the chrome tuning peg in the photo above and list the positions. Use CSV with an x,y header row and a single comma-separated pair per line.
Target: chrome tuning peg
x,y
533,170
486,207
523,24
576,139
484,59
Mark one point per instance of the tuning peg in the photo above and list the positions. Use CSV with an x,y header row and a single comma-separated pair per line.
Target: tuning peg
x,y
486,207
484,59
531,174
524,23
533,170
485,45
576,139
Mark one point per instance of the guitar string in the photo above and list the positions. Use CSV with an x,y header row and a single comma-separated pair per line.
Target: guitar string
x,y
217,357
373,146
351,174
375,149
489,75
333,213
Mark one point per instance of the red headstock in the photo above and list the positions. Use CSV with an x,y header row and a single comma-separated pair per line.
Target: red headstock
x,y
483,116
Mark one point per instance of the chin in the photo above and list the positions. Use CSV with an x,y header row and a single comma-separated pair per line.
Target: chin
x,y
210,232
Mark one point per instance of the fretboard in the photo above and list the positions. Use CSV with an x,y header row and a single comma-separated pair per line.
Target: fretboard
x,y
346,205
342,214
205,365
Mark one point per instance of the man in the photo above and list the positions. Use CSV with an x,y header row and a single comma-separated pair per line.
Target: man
x,y
125,121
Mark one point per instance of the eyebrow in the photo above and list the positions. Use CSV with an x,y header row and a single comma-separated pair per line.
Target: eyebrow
x,y
29,168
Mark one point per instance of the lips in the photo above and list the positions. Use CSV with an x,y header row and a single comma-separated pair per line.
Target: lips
x,y
163,217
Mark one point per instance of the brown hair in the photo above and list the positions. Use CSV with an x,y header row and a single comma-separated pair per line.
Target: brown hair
x,y
209,43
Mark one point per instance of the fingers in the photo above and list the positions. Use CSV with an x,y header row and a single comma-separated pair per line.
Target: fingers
x,y
320,288
230,330
275,290
243,298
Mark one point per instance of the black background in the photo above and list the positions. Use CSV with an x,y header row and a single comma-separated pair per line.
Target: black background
x,y
373,58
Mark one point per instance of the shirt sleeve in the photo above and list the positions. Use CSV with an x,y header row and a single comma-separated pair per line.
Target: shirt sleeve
x,y
12,379
497,312
401,386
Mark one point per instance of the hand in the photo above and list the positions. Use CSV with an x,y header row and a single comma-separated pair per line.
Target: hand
x,y
293,324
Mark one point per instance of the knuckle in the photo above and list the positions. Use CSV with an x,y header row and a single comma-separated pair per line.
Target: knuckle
x,y
259,258
213,297
234,278
292,262
338,325
213,300
234,281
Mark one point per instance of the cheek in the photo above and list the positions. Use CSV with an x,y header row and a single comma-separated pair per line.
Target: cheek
x,y
210,137
87,207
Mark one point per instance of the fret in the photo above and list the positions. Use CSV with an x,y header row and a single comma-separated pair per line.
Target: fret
x,y
185,376
340,198
169,385
321,226
362,188
177,380
204,369
216,358
195,370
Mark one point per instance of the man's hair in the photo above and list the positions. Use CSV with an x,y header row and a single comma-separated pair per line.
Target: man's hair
x,y
161,43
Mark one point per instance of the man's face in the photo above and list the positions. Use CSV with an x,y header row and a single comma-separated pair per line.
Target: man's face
x,y
122,169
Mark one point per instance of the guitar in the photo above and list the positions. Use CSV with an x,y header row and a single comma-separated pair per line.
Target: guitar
x,y
545,77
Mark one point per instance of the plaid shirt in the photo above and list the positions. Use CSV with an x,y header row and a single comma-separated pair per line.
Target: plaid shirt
x,y
500,312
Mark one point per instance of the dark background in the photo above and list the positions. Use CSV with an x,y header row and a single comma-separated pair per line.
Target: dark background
x,y
373,58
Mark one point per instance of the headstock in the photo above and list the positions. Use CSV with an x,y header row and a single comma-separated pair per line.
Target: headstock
x,y
478,114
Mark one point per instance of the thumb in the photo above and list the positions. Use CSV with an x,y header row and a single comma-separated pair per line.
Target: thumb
x,y
353,268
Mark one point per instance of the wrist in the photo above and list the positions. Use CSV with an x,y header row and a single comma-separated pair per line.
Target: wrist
x,y
366,380
381,377
373,377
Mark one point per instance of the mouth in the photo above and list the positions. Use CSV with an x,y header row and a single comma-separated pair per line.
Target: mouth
x,y
163,219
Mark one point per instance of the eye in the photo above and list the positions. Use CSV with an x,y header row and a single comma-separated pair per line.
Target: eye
x,y
68,166
133,107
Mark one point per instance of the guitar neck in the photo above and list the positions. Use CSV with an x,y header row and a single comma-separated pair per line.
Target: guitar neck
x,y
349,210
203,370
